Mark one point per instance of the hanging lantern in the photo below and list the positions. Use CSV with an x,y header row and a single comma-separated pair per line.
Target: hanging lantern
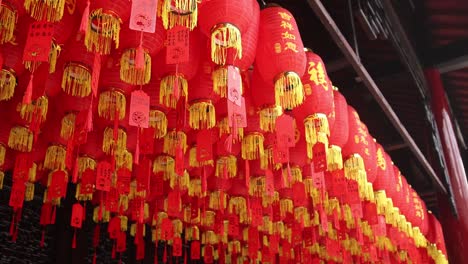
x,y
157,115
104,24
340,132
280,55
132,69
252,143
10,11
225,21
222,121
179,13
76,80
385,175
12,69
55,158
20,139
50,10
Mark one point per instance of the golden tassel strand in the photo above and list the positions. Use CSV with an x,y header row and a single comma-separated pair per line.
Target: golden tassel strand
x,y
109,145
2,154
110,102
103,29
202,115
315,124
171,141
55,158
124,159
267,161
228,163
183,13
334,158
128,71
225,129
29,193
193,161
2,177
76,80
164,164
7,84
321,138
8,19
49,10
158,121
252,146
20,139
268,118
68,126
220,81
26,111
289,91
166,90
223,37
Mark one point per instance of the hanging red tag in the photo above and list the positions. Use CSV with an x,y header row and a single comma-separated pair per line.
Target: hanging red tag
x,y
140,251
124,176
80,135
173,204
177,45
257,212
96,73
157,185
285,132
23,164
58,185
77,215
88,180
353,192
338,187
323,219
113,228
238,113
121,242
356,210
177,247
143,15
320,157
318,180
233,228
103,177
46,213
17,195
309,236
179,160
299,194
234,85
195,250
112,200
253,242
297,237
274,244
380,229
139,109
280,153
143,174
286,249
370,213
147,141
38,42
269,182
208,256
204,146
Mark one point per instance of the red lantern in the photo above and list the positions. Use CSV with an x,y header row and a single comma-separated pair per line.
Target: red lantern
x,y
225,21
280,55
158,119
10,12
435,234
339,132
385,178
12,69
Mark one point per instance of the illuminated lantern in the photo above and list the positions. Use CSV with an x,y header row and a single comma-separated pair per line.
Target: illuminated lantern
x,y
339,133
132,69
50,10
104,24
233,63
225,21
179,13
385,178
252,143
176,76
264,101
280,55
10,11
12,69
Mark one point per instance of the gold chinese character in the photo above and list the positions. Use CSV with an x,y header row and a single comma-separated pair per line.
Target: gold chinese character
x,y
286,25
291,46
277,48
288,35
317,74
285,15
381,160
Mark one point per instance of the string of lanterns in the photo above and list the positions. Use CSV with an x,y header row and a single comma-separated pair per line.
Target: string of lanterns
x,y
200,123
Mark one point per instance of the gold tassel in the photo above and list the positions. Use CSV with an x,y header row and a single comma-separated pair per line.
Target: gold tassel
x,y
289,91
123,223
268,118
215,200
286,206
68,126
32,173
108,143
296,176
53,56
55,158
20,139
133,228
172,139
103,28
49,10
128,71
322,138
7,84
27,110
267,161
225,129
85,163
202,115
158,121
195,188
82,197
2,177
124,159
334,158
2,154
166,90
76,80
208,219
220,81
315,124
29,193
252,146
193,161
110,102
183,13
165,164
353,165
223,37
226,162
8,19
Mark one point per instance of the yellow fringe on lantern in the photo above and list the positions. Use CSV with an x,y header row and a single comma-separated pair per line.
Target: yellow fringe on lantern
x,y
208,219
76,80
55,158
103,28
158,121
286,206
234,246
32,173
252,146
183,13
133,228
68,126
53,56
192,233
172,140
334,158
7,84
178,227
267,161
289,91
123,202
314,124
49,10
2,154
225,129
182,181
82,197
216,199
29,193
296,176
8,18
193,161
166,90
108,143
85,163
105,214
110,102
257,186
128,71
124,159
195,188
226,162
20,139
238,205
223,37
322,138
220,81
27,110
165,164
2,177
55,201
123,223
268,118
202,115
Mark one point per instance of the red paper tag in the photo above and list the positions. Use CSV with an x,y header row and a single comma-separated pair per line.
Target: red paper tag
x,y
285,132
297,235
208,256
318,180
39,41
234,85
96,73
123,181
238,113
23,164
204,146
173,204
88,179
147,141
112,201
143,174
80,135
177,45
253,242
167,229
179,160
353,192
309,236
257,212
140,251
139,109
274,244
195,250
356,210
103,177
58,185
17,195
143,15
320,157
77,215
338,187
233,228
299,194
269,182
121,242
114,227
157,184
177,247
286,249
323,219
370,213
280,153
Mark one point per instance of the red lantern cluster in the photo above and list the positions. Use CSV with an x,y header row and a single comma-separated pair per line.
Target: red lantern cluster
x,y
167,132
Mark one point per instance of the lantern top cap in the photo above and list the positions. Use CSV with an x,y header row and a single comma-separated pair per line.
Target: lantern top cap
x,y
306,49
